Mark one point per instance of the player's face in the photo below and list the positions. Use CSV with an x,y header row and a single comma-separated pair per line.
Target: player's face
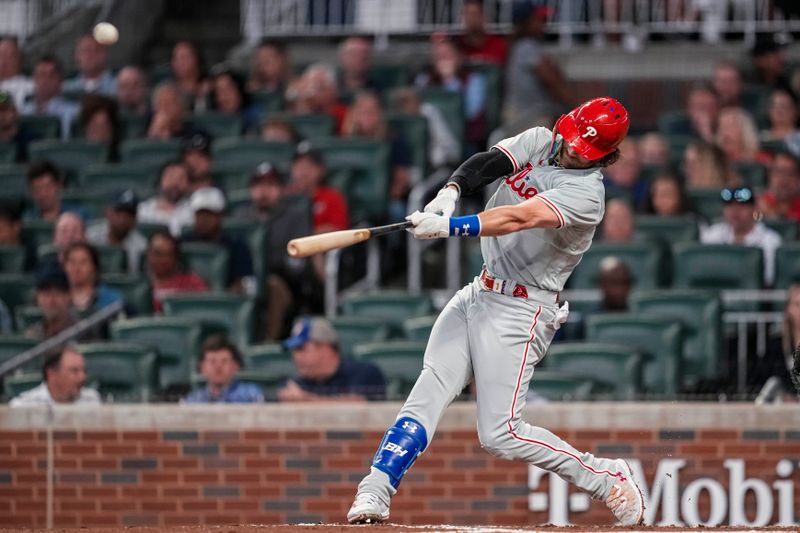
x,y
572,159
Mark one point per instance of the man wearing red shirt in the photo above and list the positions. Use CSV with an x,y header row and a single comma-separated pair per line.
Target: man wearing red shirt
x,y
782,197
475,43
329,207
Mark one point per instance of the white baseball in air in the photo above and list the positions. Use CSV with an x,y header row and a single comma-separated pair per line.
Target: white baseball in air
x,y
105,33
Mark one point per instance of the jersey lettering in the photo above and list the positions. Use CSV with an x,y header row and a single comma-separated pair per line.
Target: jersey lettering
x,y
518,181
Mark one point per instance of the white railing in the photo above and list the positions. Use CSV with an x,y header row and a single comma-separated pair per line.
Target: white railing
x,y
22,18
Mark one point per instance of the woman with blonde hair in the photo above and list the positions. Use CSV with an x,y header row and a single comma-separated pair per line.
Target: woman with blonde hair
x,y
737,135
706,166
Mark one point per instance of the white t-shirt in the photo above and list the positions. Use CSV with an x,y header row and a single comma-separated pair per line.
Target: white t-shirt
x,y
759,237
40,395
183,215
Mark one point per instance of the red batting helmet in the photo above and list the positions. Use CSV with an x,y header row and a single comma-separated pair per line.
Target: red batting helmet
x,y
595,128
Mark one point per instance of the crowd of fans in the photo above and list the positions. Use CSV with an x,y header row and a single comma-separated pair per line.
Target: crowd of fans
x,y
744,118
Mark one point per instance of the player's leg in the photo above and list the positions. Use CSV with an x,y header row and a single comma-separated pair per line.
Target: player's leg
x,y
520,334
446,371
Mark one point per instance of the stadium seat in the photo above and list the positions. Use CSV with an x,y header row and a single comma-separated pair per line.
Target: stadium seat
x,y
419,328
13,345
135,289
561,386
16,384
674,123
209,261
113,259
643,258
246,154
15,181
787,265
451,105
255,236
12,259
753,174
786,228
41,126
122,372
308,126
91,204
353,330
413,129
110,179
133,126
218,125
216,312
400,362
268,101
706,203
148,228
717,266
393,307
659,340
617,367
8,153
150,154
701,316
493,74
16,289
231,177
389,76
270,358
25,316
70,156
666,230
177,341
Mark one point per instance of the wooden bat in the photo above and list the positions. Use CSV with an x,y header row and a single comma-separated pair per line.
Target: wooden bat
x,y
315,244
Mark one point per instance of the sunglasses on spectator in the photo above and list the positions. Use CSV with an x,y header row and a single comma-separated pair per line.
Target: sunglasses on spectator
x,y
741,195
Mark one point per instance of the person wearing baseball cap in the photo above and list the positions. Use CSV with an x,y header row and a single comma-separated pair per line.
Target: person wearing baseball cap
x,y
769,61
322,374
196,155
119,229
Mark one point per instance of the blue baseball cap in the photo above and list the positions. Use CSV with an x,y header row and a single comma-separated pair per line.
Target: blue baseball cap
x,y
311,329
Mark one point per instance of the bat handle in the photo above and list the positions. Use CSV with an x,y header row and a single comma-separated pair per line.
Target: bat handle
x,y
389,228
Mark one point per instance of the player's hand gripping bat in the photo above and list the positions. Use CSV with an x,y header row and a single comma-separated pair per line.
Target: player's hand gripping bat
x,y
324,242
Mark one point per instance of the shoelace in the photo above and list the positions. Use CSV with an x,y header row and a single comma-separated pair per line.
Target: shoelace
x,y
368,497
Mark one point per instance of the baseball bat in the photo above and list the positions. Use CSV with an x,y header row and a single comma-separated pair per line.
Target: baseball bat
x,y
324,242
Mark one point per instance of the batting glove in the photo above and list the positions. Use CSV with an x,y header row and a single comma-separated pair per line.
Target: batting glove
x,y
428,226
444,204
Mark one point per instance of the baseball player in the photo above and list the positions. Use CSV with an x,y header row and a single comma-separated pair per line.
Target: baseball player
x,y
533,233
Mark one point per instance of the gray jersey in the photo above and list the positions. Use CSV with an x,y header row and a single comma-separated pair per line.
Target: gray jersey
x,y
544,258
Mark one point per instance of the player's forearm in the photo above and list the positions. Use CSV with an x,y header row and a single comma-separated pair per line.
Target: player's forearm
x,y
508,219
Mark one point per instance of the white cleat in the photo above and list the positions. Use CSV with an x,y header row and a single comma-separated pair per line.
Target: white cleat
x,y
368,508
625,499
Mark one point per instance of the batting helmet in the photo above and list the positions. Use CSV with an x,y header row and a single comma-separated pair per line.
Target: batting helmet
x,y
594,128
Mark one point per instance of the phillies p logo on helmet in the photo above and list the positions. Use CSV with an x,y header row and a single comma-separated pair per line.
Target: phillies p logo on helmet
x,y
604,122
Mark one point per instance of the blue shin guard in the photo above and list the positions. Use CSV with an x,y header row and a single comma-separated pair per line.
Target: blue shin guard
x,y
401,445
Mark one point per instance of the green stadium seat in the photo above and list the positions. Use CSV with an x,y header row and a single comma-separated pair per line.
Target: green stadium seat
x,y
112,178
413,129
122,372
177,341
419,328
561,387
270,359
246,154
148,228
13,345
16,289
659,340
150,154
393,307
617,367
70,156
133,126
787,265
209,261
255,235
41,126
786,228
268,101
46,253
12,259
308,125
451,105
754,175
354,330
389,76
701,316
717,266
666,230
91,204
400,362
643,258
218,125
135,289
755,98
18,383
26,315
706,203
493,74
231,177
14,179
218,311
774,146
674,123
8,153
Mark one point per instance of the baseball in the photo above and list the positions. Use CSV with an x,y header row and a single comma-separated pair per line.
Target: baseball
x,y
105,33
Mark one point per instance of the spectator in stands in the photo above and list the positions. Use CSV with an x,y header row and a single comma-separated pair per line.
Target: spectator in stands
x,y
653,149
46,185
783,115
705,166
163,268
702,108
209,211
322,373
276,129
82,265
10,223
64,377
624,176
228,96
119,229
780,355
12,80
328,204
443,149
196,155
169,113
11,131
270,72
448,72
355,59
94,75
619,225
188,73
740,227
535,85
54,301
737,136
366,119
476,43
316,92
782,197
728,84
666,197
70,229
99,121
615,283
220,360
171,206
47,99
132,92
769,62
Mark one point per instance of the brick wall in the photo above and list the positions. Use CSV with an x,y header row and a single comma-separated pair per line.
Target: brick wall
x,y
169,476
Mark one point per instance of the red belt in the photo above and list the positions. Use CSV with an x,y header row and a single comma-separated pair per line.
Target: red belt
x,y
502,286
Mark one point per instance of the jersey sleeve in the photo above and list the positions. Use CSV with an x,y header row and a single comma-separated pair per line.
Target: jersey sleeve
x,y
527,146
575,203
